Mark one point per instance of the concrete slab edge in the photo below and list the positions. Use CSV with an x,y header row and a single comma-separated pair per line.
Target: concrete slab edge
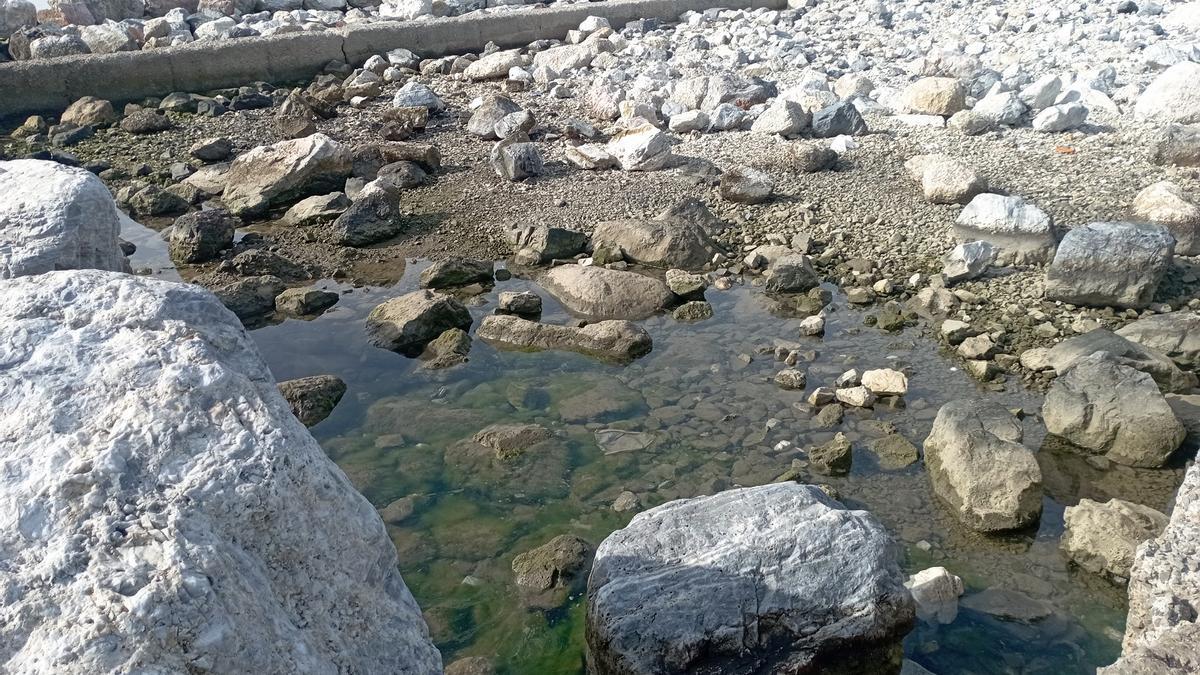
x,y
28,87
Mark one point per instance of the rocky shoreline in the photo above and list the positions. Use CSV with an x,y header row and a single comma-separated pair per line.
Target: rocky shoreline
x,y
1038,222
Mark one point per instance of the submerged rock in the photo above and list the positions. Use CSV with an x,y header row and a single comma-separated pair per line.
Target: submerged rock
x,y
601,293
978,466
617,340
936,592
54,217
547,574
1102,538
1114,410
407,323
509,440
213,501
313,398
777,578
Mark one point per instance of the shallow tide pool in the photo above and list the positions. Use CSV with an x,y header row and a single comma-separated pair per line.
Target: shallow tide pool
x,y
701,414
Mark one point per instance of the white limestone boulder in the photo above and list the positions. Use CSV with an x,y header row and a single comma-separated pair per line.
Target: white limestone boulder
x,y
1165,203
1173,96
161,504
1162,635
54,217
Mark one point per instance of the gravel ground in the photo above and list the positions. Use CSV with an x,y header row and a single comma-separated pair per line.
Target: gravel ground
x,y
867,211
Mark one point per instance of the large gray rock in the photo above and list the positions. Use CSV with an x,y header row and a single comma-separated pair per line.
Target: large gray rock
x,y
15,15
1110,264
944,179
1019,231
200,236
540,244
210,503
1102,538
601,293
374,216
791,273
407,323
1064,355
1176,335
288,170
1162,635
978,466
1114,410
1178,145
482,122
680,237
777,578
1173,96
616,340
54,217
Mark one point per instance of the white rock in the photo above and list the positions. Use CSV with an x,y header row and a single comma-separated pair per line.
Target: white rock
x,y
784,117
936,592
210,505
405,10
857,397
1173,96
641,148
54,217
978,466
416,95
496,65
1019,231
1111,409
967,261
286,170
1003,108
885,382
686,122
1059,118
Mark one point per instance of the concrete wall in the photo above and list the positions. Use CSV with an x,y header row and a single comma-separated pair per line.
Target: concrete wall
x,y
51,85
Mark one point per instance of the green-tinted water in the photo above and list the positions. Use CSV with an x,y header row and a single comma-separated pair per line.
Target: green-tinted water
x,y
705,399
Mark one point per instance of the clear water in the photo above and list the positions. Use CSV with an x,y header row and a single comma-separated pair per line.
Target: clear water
x,y
705,395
